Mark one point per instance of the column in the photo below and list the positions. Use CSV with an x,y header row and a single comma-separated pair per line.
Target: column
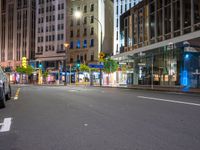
x,y
172,21
181,16
192,15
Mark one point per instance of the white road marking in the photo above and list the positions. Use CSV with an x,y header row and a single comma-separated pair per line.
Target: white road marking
x,y
167,100
15,98
72,90
5,126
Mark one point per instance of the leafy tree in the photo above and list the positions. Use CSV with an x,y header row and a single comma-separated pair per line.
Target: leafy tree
x,y
45,74
21,70
93,69
84,68
29,70
110,65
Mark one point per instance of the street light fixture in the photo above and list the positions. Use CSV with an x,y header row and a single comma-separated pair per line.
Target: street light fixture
x,y
78,15
66,45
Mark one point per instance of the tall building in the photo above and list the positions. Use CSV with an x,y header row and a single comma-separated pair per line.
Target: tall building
x,y
161,43
120,6
84,35
50,33
17,31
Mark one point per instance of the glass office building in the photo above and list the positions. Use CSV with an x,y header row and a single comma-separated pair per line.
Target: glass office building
x,y
161,43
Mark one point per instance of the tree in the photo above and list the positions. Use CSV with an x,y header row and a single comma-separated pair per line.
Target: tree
x,y
84,68
45,74
29,70
110,65
22,70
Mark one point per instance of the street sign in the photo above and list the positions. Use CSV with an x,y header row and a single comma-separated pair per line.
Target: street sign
x,y
96,66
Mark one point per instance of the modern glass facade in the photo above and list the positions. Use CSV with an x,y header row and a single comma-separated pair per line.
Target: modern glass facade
x,y
161,43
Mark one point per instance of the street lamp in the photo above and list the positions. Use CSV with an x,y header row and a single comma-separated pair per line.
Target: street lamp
x,y
78,15
66,45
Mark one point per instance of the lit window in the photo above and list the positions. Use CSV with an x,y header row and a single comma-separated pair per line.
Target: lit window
x,y
92,43
78,44
85,44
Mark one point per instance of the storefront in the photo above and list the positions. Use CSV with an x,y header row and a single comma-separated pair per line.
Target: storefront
x,y
172,65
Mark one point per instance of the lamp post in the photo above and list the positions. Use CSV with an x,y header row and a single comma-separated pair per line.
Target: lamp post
x,y
78,15
66,45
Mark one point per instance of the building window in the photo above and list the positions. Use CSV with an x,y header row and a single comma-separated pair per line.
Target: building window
x,y
78,44
85,32
78,32
71,60
92,31
92,43
176,14
196,11
186,13
92,57
85,9
152,25
71,11
92,19
85,44
85,20
62,5
77,57
167,19
159,22
92,7
71,45
71,33
71,23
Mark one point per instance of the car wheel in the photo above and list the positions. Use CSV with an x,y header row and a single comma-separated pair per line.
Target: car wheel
x,y
3,101
8,95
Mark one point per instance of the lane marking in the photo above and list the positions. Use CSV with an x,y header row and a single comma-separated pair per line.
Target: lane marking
x,y
168,100
17,94
5,126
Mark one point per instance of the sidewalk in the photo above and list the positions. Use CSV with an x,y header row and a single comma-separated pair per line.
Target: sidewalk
x,y
179,89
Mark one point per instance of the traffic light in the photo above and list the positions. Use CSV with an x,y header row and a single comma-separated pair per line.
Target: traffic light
x,y
101,56
40,65
24,62
78,63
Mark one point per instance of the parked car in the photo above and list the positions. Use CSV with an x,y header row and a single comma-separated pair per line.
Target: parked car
x,y
5,89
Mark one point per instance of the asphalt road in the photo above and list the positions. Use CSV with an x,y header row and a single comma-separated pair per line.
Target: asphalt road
x,y
78,118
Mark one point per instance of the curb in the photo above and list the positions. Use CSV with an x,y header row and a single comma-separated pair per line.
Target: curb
x,y
155,89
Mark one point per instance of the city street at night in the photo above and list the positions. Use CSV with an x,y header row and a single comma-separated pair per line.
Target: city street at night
x,y
94,118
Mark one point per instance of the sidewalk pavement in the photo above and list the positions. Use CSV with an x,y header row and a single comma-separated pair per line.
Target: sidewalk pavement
x,y
179,89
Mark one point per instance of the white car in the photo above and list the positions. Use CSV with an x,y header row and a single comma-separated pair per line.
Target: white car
x,y
5,89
